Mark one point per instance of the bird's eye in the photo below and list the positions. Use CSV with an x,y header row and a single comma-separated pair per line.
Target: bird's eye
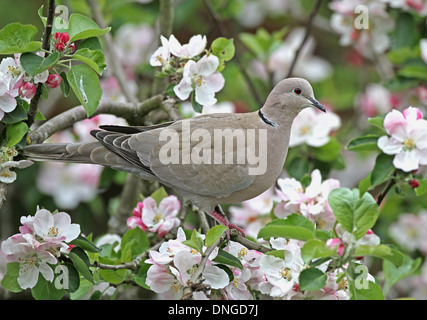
x,y
297,91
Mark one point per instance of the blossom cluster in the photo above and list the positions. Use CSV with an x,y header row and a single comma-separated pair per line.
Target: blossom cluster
x,y
197,74
15,82
40,242
174,264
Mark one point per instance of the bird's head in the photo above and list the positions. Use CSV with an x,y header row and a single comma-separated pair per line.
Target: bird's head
x,y
295,94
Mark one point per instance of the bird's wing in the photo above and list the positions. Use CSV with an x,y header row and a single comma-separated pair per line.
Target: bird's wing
x,y
216,178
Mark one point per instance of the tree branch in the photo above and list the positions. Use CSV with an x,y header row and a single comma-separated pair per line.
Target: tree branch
x,y
32,111
128,111
307,34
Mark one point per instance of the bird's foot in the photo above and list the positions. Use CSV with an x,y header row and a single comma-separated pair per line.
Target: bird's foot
x,y
224,221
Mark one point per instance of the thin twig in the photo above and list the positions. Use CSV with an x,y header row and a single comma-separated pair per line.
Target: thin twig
x,y
32,111
111,54
223,31
390,184
307,34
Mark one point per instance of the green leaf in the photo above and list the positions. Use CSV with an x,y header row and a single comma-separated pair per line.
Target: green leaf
x,y
417,71
226,258
94,58
73,276
134,242
422,188
377,121
84,289
10,279
298,168
393,273
46,290
81,27
366,143
294,226
85,244
81,262
85,84
113,276
15,132
356,214
224,49
314,249
195,242
65,86
17,38
142,275
34,64
312,279
214,234
381,251
404,31
197,107
383,169
373,292
329,151
159,195
17,115
365,184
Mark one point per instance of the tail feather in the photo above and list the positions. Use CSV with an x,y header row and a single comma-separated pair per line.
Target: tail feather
x,y
62,152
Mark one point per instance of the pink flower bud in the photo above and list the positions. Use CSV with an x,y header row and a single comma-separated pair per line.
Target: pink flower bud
x,y
414,184
56,35
336,243
27,90
64,37
60,46
71,47
53,80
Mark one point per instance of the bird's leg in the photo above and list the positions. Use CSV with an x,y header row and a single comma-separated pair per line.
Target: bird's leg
x,y
219,215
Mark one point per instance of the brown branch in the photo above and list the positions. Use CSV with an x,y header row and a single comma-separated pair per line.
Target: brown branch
x,y
129,111
307,34
223,31
32,111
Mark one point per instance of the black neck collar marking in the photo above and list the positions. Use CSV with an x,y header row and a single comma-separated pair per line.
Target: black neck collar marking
x,y
266,120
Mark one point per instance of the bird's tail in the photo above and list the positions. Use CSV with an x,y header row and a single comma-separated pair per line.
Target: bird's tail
x,y
63,152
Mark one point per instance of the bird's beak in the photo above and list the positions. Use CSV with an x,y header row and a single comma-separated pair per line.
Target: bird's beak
x,y
317,104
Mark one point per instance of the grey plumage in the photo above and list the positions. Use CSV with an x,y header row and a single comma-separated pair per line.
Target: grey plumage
x,y
136,149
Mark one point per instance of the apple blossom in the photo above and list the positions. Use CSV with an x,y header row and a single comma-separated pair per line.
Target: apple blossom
x,y
408,138
336,243
53,81
312,202
159,219
420,6
369,41
313,127
202,77
282,274
8,176
27,90
32,257
254,213
162,55
409,231
194,47
55,227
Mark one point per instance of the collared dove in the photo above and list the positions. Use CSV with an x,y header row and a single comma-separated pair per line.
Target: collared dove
x,y
189,155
